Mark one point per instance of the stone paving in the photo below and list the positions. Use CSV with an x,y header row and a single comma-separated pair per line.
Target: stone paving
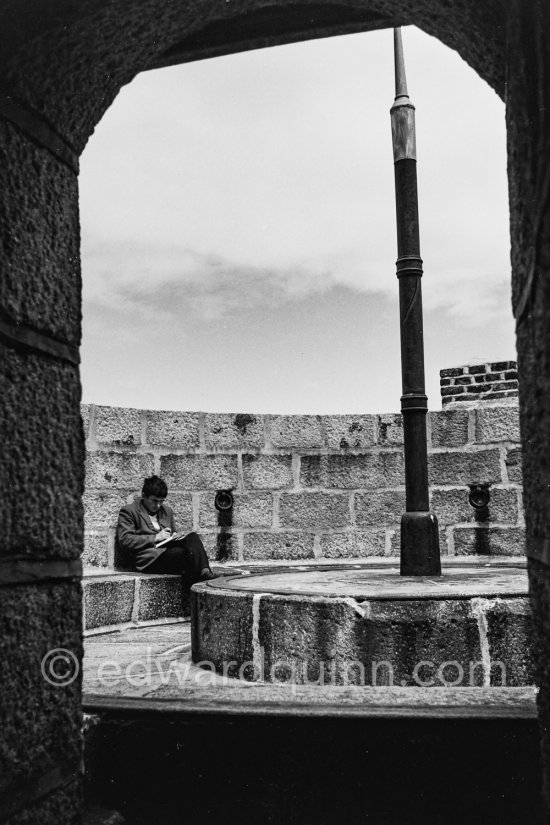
x,y
150,667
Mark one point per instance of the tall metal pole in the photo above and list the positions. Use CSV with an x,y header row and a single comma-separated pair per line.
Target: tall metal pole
x,y
419,532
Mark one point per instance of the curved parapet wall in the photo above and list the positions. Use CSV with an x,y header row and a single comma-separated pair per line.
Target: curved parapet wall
x,y
304,487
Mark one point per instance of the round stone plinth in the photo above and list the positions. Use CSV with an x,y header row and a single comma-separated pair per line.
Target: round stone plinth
x,y
368,626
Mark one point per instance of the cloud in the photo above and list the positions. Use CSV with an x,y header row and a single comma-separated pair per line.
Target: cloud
x,y
142,278
169,281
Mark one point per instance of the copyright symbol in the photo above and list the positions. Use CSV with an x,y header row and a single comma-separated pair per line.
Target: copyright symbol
x,y
60,667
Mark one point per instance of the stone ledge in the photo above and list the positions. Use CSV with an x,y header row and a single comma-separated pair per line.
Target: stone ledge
x,y
120,598
266,700
123,599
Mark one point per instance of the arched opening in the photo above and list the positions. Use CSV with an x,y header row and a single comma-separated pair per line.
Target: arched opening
x,y
242,209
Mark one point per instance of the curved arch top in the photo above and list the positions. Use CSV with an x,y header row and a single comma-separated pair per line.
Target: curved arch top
x,y
77,56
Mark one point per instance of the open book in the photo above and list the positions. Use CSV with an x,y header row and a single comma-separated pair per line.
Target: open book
x,y
173,537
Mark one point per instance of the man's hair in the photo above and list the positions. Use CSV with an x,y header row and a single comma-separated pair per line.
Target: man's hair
x,y
154,486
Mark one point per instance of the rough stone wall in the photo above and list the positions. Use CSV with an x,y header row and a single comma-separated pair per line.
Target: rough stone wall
x,y
472,382
41,477
528,130
304,486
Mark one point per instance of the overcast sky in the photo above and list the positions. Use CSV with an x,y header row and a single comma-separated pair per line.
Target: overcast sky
x,y
238,230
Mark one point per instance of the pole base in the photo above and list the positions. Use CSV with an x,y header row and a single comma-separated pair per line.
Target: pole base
x,y
420,545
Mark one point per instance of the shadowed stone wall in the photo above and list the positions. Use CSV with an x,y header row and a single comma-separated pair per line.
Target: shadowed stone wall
x,y
41,477
304,486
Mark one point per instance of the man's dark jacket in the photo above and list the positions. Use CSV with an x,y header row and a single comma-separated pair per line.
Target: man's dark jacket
x,y
135,533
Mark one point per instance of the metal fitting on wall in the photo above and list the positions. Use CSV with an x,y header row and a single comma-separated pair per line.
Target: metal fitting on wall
x,y
479,496
223,501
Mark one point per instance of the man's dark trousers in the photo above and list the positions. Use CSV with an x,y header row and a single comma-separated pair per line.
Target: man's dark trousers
x,y
186,557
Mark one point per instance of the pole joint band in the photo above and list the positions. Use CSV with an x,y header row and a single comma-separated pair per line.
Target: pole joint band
x,y
417,402
409,265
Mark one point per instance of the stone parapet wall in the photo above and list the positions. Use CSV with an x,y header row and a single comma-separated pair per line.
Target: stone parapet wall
x,y
304,486
473,383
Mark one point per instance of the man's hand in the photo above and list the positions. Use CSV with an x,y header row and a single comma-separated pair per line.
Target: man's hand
x,y
164,534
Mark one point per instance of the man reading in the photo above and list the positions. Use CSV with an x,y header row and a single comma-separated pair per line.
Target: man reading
x,y
146,531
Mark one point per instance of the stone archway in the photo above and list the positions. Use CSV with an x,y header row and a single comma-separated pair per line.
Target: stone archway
x,y
62,66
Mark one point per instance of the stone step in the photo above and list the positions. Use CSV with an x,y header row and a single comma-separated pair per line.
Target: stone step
x,y
125,599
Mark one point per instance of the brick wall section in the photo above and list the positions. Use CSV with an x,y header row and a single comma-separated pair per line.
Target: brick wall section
x,y
475,382
304,486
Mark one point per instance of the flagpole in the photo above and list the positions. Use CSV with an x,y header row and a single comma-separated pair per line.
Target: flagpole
x,y
419,531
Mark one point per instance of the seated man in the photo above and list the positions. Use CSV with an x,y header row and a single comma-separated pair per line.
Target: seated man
x,y
145,525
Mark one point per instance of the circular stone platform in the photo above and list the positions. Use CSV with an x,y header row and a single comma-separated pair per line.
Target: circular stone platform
x,y
367,625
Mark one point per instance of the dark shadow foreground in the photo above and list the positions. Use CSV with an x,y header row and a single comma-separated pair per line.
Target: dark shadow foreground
x,y
309,771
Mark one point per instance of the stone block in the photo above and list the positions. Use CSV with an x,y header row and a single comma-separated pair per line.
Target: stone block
x,y
302,432
278,546
477,389
314,510
117,470
497,424
514,465
199,472
85,414
41,278
489,541
223,431
349,432
510,637
249,510
101,508
463,468
390,429
218,622
267,472
452,372
118,426
221,545
505,385
385,469
453,507
160,597
178,430
41,457
394,536
182,505
449,428
500,366
108,601
300,646
41,703
353,544
412,643
379,508
96,549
